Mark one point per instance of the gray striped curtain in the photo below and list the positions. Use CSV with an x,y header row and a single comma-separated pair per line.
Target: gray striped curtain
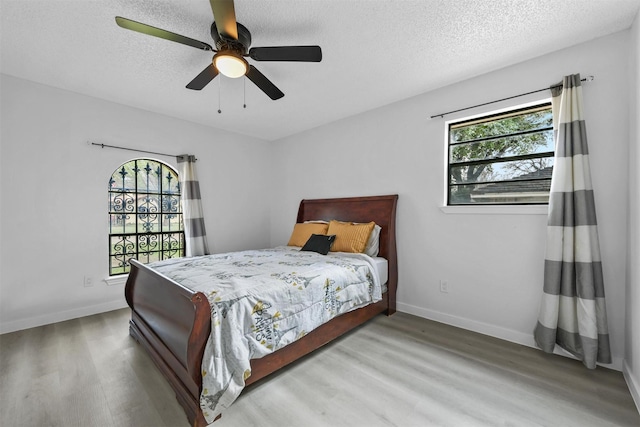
x,y
194,231
572,311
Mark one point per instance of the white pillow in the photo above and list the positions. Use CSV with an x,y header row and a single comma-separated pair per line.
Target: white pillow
x,y
373,244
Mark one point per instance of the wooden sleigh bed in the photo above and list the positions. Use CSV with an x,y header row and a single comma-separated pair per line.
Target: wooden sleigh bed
x,y
173,323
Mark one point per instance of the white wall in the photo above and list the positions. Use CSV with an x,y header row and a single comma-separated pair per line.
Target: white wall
x,y
53,184
631,367
493,262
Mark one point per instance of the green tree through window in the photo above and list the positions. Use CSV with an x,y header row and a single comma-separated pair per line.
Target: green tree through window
x,y
502,159
145,218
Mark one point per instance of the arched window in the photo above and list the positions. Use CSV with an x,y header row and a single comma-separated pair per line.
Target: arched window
x,y
145,218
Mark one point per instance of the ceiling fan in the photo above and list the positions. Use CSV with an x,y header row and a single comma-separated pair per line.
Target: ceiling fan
x,y
232,41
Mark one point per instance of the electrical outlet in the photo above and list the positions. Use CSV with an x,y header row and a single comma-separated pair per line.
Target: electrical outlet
x,y
88,281
444,286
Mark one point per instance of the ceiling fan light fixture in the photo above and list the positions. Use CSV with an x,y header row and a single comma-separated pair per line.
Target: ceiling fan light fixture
x,y
230,64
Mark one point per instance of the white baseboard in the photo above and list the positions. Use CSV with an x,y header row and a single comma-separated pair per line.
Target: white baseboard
x,y
633,382
61,316
488,329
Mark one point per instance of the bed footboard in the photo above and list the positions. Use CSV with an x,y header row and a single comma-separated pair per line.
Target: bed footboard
x,y
173,324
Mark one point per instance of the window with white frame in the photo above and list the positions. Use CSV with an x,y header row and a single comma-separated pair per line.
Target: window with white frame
x,y
501,159
145,217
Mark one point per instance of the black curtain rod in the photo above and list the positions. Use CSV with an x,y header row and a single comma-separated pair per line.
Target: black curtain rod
x,y
133,149
586,79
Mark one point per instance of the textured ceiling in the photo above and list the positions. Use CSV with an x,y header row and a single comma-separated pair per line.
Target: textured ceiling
x,y
375,52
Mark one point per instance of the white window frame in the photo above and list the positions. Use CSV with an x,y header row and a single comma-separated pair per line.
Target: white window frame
x,y
512,209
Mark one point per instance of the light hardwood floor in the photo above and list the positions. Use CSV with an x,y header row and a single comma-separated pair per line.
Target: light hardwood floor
x,y
396,371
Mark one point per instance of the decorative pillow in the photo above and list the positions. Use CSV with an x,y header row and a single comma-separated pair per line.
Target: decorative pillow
x,y
350,237
302,232
373,244
319,243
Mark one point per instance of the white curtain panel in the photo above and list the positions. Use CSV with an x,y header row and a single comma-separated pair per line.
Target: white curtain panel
x,y
193,218
572,311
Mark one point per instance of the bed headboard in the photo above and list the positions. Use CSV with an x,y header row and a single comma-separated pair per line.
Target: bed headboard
x,y
380,209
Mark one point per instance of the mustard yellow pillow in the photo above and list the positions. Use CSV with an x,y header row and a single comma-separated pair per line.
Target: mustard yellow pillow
x,y
350,237
302,232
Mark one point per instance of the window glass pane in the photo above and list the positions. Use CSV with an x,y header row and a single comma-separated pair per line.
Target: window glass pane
x,y
147,173
148,204
148,223
121,203
123,179
122,247
171,222
170,184
117,266
170,204
148,217
172,245
122,224
177,220
148,243
530,143
510,192
532,168
504,124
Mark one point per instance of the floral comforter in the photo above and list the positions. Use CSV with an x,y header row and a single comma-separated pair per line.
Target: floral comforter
x,y
262,300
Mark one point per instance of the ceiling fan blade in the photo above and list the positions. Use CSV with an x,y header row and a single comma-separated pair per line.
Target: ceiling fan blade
x,y
163,34
264,83
287,53
224,13
203,78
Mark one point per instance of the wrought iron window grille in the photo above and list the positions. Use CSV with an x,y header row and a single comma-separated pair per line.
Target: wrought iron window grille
x,y
145,216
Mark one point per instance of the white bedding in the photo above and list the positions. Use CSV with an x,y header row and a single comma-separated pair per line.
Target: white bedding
x,y
262,300
381,266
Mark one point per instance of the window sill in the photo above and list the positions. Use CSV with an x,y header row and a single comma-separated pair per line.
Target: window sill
x,y
497,210
116,280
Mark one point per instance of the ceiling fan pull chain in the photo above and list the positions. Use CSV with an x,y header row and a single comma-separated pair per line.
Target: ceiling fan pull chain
x,y
244,92
219,90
